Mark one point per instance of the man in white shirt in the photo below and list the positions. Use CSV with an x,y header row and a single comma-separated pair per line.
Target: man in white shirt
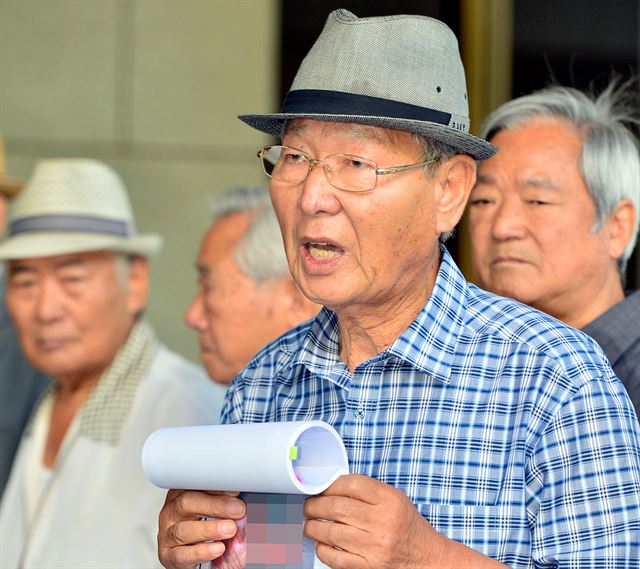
x,y
77,282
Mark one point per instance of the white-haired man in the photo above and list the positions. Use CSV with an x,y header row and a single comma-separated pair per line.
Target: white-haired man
x,y
554,214
76,288
246,295
20,384
479,432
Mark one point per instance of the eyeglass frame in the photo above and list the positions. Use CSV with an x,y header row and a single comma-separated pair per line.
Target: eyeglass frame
x,y
313,161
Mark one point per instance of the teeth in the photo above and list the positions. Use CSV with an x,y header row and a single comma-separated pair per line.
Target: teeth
x,y
318,251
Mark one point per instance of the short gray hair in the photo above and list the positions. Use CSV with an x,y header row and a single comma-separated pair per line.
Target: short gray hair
x,y
610,158
260,253
437,152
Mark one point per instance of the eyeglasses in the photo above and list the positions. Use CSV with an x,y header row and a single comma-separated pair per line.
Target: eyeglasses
x,y
343,171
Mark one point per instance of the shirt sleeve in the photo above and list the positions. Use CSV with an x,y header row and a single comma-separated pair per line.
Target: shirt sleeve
x,y
583,482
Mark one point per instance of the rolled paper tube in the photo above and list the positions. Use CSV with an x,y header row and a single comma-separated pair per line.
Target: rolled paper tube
x,y
300,457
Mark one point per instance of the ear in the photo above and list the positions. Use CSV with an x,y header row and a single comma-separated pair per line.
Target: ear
x,y
138,284
619,227
456,177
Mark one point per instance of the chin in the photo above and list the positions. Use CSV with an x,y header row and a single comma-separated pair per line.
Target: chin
x,y
325,291
60,371
519,294
222,380
219,374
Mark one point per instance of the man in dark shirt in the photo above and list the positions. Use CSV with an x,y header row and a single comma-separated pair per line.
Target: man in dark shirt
x,y
554,214
618,332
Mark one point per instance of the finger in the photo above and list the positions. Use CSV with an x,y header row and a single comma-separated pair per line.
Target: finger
x,y
335,534
339,559
182,504
191,532
339,509
358,486
189,557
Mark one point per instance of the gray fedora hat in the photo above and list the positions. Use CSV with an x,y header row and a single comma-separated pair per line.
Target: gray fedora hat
x,y
72,206
396,72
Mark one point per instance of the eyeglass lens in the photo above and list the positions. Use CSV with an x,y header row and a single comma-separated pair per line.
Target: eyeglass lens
x,y
343,171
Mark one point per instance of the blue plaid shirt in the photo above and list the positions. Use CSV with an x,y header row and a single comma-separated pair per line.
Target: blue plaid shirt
x,y
507,429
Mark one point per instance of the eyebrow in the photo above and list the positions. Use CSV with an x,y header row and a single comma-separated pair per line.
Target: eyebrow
x,y
368,134
16,268
293,129
544,183
483,179
71,263
202,269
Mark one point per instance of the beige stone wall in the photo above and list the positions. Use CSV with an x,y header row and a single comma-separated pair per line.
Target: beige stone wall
x,y
153,88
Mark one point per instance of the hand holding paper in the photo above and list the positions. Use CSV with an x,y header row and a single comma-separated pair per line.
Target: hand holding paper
x,y
300,458
185,539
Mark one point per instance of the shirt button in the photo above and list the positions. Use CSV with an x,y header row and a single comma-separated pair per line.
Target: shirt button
x,y
359,413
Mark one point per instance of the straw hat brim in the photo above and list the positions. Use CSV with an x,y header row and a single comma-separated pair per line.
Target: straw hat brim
x,y
45,244
271,123
10,186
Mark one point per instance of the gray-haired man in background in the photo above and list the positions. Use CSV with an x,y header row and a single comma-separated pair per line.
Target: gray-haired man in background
x,y
246,295
554,214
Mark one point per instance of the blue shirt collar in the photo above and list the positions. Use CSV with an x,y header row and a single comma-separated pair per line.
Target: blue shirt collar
x,y
428,344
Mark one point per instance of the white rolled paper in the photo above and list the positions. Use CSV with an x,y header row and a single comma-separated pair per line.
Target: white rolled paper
x,y
301,457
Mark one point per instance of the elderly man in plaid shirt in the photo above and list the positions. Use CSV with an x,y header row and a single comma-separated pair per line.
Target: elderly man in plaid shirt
x,y
480,432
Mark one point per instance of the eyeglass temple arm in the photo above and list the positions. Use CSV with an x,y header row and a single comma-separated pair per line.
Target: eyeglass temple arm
x,y
394,169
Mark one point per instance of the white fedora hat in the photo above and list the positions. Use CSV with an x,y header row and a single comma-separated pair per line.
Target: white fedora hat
x,y
72,206
396,72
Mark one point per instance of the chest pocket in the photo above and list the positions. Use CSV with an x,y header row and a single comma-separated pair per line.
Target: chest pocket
x,y
501,532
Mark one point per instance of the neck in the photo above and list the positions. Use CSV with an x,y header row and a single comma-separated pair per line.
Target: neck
x,y
68,399
580,314
72,386
366,330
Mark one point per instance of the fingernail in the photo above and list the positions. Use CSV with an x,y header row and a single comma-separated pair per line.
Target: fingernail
x,y
216,549
235,507
227,528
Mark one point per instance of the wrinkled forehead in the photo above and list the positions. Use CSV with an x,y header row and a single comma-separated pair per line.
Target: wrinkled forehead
x,y
361,132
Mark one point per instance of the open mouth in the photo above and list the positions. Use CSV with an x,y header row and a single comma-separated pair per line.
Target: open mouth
x,y
323,250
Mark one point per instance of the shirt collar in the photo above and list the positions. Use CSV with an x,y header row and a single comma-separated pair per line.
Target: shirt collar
x,y
428,344
107,407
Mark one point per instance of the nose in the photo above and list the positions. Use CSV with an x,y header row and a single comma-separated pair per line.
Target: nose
x,y
195,316
509,221
318,196
49,301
